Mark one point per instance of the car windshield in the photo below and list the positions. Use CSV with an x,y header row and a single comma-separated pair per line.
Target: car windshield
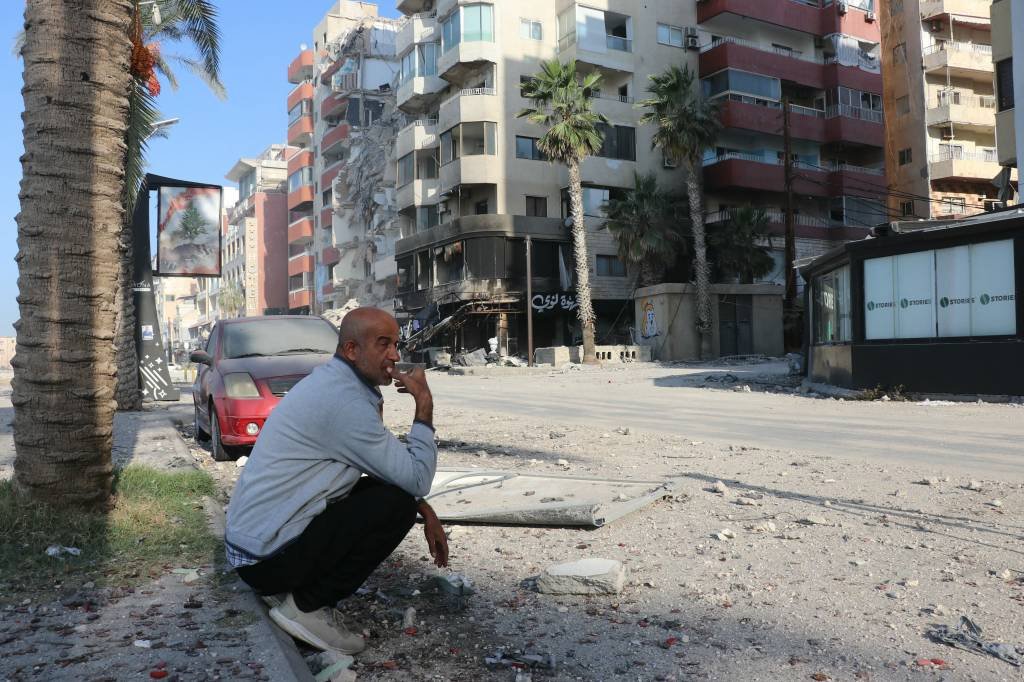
x,y
283,336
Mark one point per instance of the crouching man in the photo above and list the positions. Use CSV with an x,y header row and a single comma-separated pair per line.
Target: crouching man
x,y
328,492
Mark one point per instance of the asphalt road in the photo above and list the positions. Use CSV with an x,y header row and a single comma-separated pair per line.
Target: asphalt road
x,y
986,440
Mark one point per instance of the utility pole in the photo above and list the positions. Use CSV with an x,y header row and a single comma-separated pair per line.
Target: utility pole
x,y
791,332
529,302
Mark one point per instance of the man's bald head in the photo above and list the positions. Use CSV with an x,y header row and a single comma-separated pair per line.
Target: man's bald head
x,y
368,338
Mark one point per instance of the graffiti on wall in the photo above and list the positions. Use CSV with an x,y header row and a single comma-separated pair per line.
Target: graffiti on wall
x,y
649,322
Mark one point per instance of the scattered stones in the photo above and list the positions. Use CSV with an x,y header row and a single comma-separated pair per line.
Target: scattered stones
x,y
996,503
564,463
814,521
859,562
724,534
586,576
766,527
555,435
927,481
409,618
718,487
623,430
973,485
242,461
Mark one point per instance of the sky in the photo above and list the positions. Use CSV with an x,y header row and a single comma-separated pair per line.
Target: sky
x,y
259,39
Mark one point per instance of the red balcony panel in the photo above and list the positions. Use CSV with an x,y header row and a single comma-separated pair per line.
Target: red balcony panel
x,y
854,23
333,107
301,131
301,230
300,299
854,130
299,160
331,255
301,67
767,120
731,55
297,266
852,182
302,195
332,172
763,177
328,289
325,77
325,218
304,91
852,77
792,15
333,137
777,228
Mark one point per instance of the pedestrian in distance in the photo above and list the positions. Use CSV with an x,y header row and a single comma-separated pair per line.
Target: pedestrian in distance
x,y
328,492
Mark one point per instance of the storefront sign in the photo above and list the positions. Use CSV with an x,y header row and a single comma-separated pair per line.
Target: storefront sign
x,y
556,302
879,298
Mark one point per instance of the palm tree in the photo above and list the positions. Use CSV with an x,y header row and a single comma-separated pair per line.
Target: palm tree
x,y
737,245
189,22
232,299
562,104
642,224
686,124
76,57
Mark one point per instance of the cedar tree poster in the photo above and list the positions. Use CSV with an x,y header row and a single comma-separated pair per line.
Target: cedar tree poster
x,y
188,231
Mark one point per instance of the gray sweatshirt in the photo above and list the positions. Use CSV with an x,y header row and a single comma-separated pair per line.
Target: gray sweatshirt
x,y
315,445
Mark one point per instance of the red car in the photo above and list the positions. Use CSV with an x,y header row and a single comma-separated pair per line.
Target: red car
x,y
249,364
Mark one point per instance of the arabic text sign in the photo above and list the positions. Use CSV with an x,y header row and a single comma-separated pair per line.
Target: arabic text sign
x,y
557,301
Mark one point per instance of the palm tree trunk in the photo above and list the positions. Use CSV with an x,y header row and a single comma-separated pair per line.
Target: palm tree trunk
x,y
700,261
127,394
585,312
76,59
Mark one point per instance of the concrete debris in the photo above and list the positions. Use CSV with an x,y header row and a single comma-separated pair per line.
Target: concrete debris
x,y
746,502
742,389
409,618
335,667
859,562
996,503
967,636
974,486
555,435
814,521
520,660
476,358
927,481
563,463
624,430
586,576
766,527
724,534
242,461
719,487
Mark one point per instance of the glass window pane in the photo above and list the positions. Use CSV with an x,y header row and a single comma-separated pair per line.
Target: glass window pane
x,y
677,37
536,30
487,23
664,34
471,23
492,143
523,145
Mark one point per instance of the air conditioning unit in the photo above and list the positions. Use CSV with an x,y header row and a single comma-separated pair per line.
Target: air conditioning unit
x,y
692,43
691,31
442,206
869,16
841,7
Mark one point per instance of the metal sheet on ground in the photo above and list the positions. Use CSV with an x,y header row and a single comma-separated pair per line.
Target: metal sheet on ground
x,y
512,498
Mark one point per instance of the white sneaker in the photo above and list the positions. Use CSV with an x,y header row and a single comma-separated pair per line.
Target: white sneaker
x,y
323,628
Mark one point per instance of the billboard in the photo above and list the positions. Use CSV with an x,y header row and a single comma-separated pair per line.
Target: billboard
x,y
188,240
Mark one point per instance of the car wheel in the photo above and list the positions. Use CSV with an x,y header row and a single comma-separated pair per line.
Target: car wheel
x,y
220,453
201,435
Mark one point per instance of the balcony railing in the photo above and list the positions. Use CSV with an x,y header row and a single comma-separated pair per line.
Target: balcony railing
x,y
771,104
773,215
962,98
850,111
469,92
784,52
849,167
956,46
425,122
619,43
985,154
615,98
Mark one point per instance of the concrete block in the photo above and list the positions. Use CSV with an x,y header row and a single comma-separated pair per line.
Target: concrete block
x,y
586,576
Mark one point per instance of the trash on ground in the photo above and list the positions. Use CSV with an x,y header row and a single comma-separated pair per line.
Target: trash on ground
x,y
967,636
586,576
56,551
521,660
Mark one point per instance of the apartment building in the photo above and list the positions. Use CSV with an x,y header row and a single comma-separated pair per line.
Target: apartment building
x,y
340,234
169,293
1007,40
207,299
472,185
940,107
255,258
822,58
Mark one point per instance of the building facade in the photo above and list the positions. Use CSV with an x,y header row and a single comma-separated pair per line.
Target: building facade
x,y
340,184
207,299
255,266
1007,40
940,107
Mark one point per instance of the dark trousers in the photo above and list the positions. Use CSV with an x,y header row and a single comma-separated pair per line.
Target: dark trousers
x,y
339,549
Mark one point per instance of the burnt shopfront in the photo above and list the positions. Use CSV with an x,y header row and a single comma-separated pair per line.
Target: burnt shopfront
x,y
937,309
465,281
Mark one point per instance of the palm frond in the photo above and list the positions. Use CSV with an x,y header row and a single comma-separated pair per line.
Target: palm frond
x,y
199,71
142,118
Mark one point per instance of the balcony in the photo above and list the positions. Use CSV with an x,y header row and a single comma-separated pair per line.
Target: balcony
x,y
420,134
418,28
332,143
300,298
616,54
418,94
967,166
482,225
300,133
417,193
333,107
809,16
470,104
751,171
300,264
300,160
331,172
966,8
413,6
464,57
481,169
301,67
598,170
300,92
976,113
847,179
616,107
854,125
963,60
763,116
330,255
300,231
385,268
300,198
326,218
804,226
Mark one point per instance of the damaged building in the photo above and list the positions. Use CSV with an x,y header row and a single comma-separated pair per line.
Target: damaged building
x,y
342,220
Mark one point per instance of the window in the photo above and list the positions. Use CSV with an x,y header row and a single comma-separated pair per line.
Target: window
x,y
426,164
301,109
537,206
619,142
418,62
523,80
731,80
480,207
594,201
427,217
907,208
530,29
1004,83
451,31
830,311
406,166
468,139
948,152
610,266
526,148
300,178
405,279
903,105
906,156
247,184
670,35
954,205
